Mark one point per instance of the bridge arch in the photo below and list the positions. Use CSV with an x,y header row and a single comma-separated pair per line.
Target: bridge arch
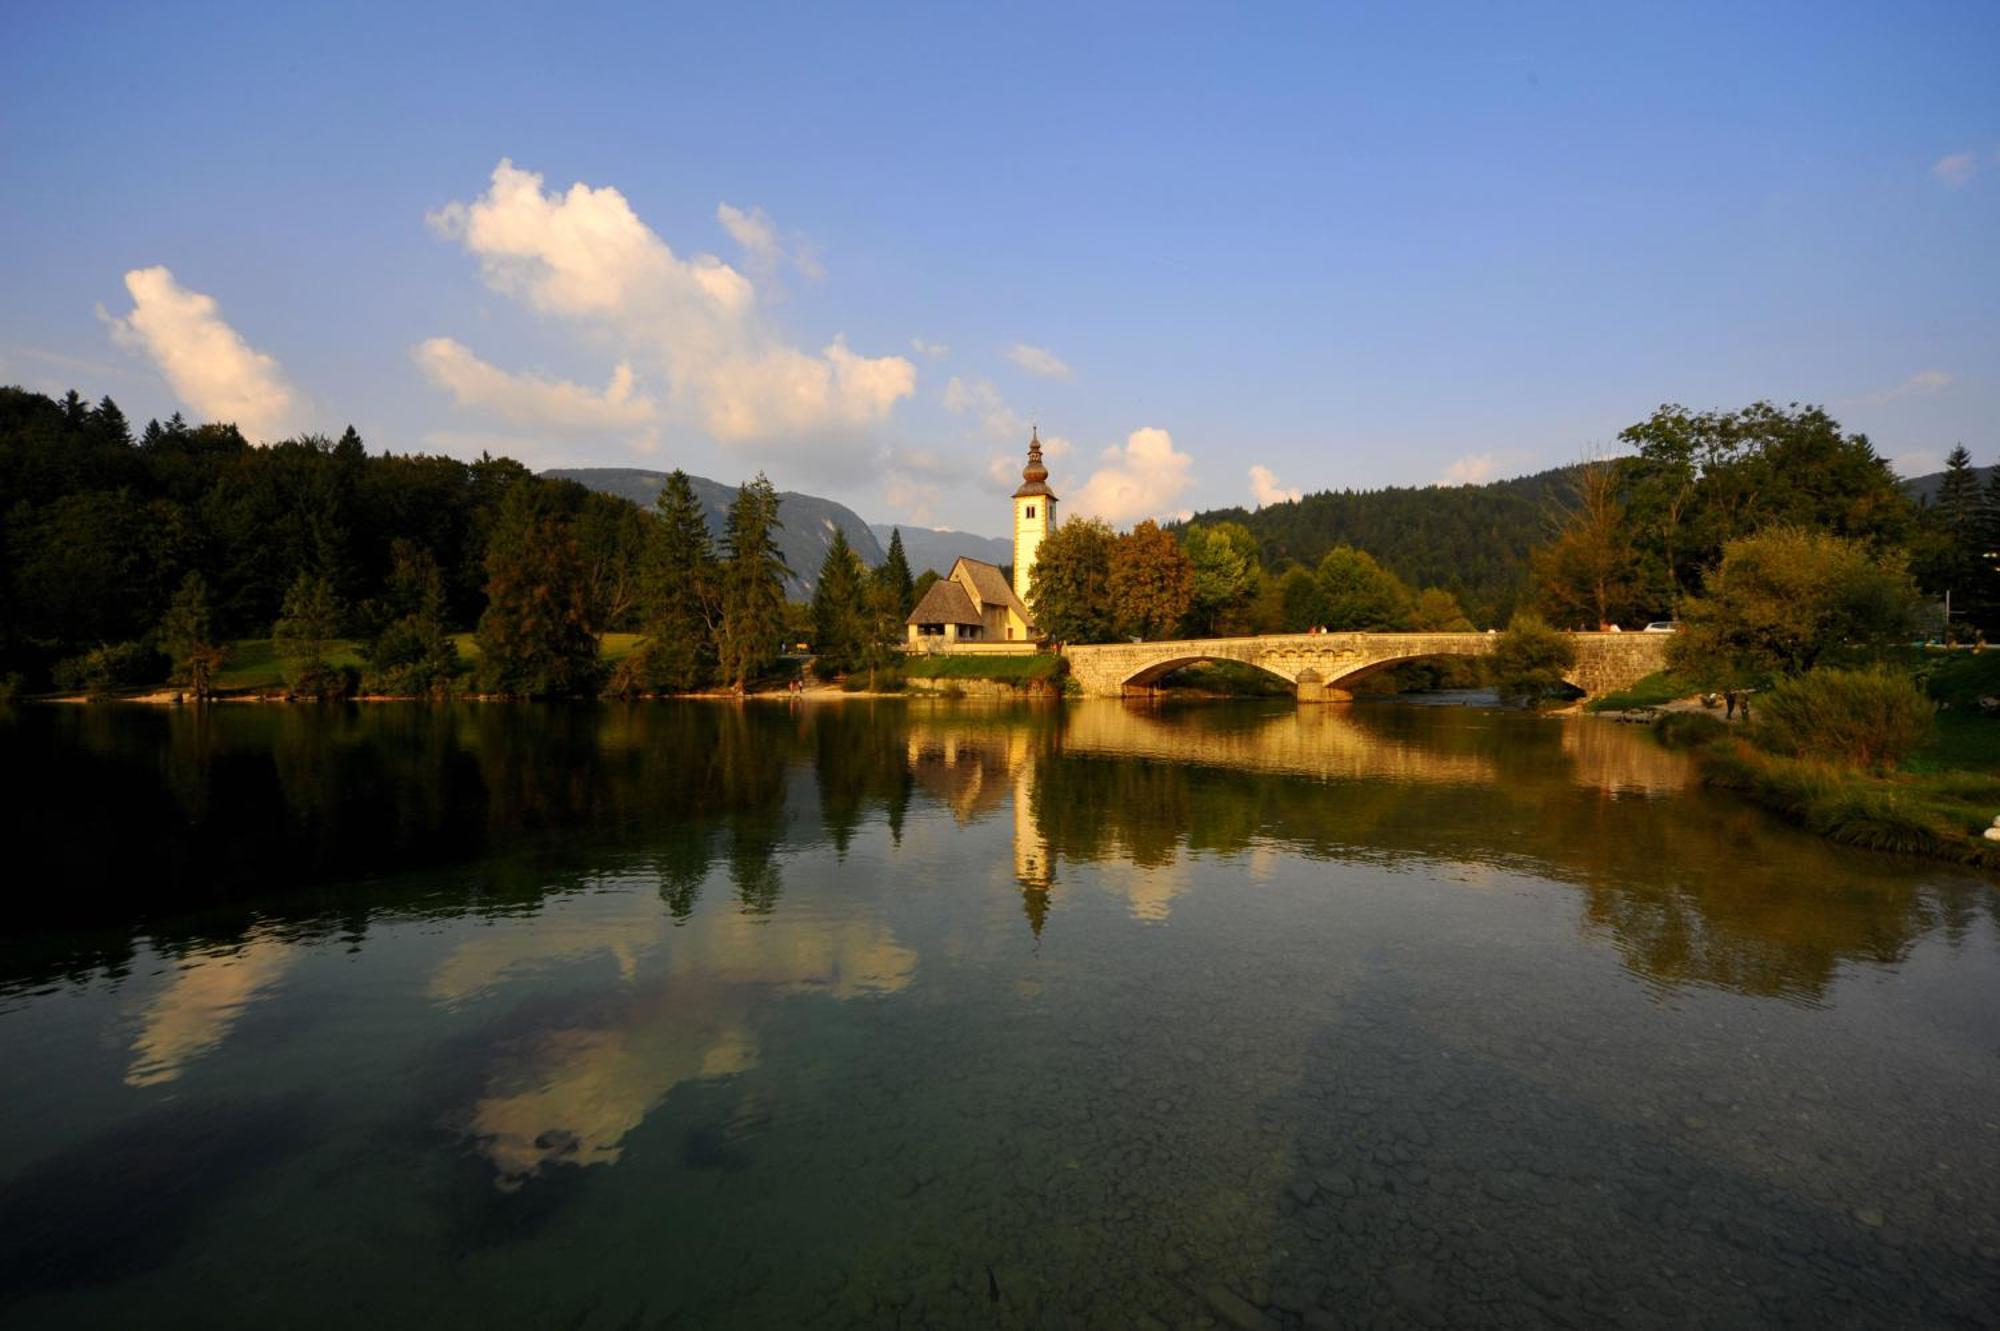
x,y
1319,665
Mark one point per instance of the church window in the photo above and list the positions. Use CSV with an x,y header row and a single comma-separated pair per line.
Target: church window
x,y
1031,510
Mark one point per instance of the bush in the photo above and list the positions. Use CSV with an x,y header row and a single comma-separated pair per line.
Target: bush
x,y
1688,730
1870,719
1529,661
104,670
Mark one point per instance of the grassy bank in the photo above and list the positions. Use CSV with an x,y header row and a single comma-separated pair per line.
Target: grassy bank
x,y
1655,690
1938,802
253,665
1011,669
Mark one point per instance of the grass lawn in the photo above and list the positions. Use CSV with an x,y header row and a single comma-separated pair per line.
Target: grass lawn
x,y
1656,689
252,664
1039,666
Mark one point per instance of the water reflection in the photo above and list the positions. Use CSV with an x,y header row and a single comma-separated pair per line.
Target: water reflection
x,y
159,812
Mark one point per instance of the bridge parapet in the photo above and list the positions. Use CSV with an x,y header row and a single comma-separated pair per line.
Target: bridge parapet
x,y
1318,665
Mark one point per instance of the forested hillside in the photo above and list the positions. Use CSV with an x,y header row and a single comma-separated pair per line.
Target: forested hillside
x,y
1471,540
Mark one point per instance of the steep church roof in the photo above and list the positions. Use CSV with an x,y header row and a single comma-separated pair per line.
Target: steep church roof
x,y
991,586
945,603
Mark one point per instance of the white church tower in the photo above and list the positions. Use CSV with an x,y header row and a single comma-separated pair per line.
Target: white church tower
x,y
1034,515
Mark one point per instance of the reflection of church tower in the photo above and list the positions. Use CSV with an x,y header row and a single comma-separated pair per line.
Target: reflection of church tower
x,y
1034,515
1034,869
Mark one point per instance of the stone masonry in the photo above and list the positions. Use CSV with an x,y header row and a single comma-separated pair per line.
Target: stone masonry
x,y
1320,665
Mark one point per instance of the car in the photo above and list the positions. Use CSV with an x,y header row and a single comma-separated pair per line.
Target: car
x,y
1662,626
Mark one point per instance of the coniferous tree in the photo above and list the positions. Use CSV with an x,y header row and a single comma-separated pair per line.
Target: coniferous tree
x,y
187,635
753,584
410,653
536,638
1952,534
894,574
842,623
110,424
304,635
680,597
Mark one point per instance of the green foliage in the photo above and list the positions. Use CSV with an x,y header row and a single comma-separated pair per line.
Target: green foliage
x,y
680,599
753,585
1589,572
1151,584
1071,593
1870,719
409,651
1471,540
1955,549
1529,661
310,621
1784,598
187,635
1704,479
1689,730
1301,603
537,638
1225,565
1356,593
108,669
893,579
1939,817
843,619
1435,610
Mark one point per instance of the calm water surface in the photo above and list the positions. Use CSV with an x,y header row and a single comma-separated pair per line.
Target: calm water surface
x,y
921,1014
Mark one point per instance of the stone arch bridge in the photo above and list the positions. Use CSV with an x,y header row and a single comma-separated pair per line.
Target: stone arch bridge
x,y
1322,665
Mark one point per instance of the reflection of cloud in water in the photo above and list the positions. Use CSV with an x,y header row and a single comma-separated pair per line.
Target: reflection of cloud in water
x,y
196,1010
1149,892
571,1095
626,931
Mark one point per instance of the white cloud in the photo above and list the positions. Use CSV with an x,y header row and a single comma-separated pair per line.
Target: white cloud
x,y
527,399
1266,488
980,400
1039,360
211,368
1472,469
1921,383
586,257
1143,478
1956,170
929,350
758,235
1917,462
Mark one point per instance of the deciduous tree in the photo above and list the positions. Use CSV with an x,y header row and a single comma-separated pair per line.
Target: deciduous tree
x,y
1071,593
1151,584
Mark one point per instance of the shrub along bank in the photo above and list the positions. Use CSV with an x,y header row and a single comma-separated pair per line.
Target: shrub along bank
x,y
1867,757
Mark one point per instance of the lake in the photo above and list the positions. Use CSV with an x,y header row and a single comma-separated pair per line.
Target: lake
x,y
897,1014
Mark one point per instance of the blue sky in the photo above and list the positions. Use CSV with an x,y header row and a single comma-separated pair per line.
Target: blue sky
x,y
1218,253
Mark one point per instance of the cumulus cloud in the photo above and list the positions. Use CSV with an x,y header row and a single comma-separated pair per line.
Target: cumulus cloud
x,y
1039,360
1956,170
753,230
527,399
980,401
929,350
584,256
209,365
1472,469
1144,477
1922,383
1266,488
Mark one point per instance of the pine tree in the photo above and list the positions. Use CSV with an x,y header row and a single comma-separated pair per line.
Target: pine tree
x,y
303,635
680,597
110,423
894,574
753,584
842,624
187,636
536,639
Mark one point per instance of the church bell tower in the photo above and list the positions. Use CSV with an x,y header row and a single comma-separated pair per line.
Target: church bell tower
x,y
1034,515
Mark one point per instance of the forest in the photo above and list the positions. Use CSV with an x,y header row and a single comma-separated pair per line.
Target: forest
x,y
133,558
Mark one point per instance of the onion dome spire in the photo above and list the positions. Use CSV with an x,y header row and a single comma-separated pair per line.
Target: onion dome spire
x,y
1034,476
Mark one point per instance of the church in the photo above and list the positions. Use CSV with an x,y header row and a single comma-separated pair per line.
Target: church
x,y
974,605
